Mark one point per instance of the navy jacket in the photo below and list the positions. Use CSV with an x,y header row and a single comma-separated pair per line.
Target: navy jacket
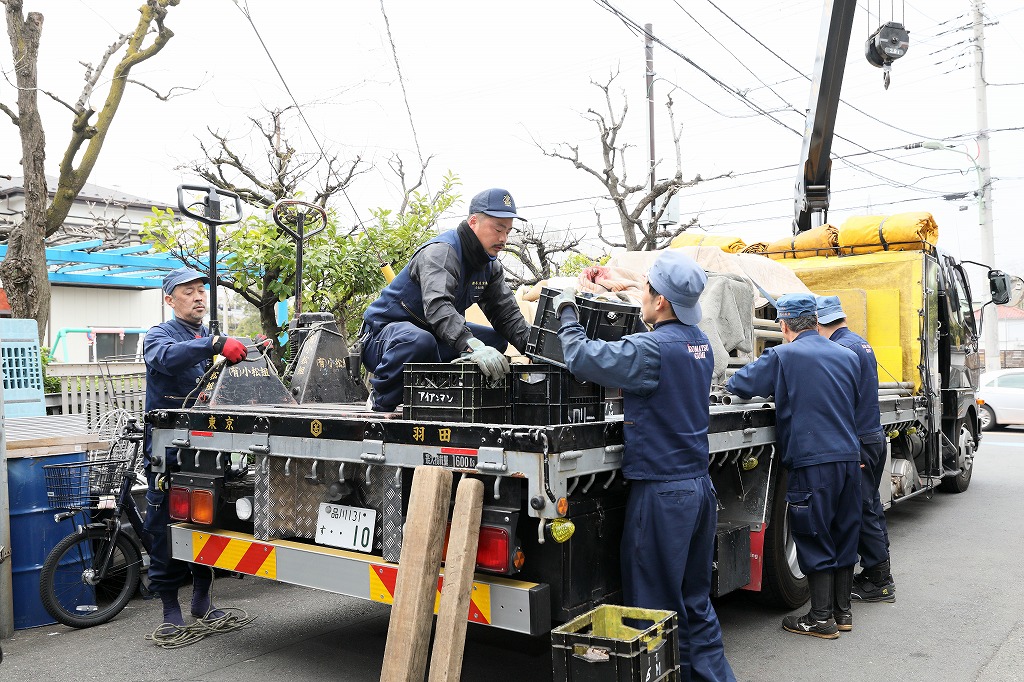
x,y
814,382
665,377
869,419
434,290
176,359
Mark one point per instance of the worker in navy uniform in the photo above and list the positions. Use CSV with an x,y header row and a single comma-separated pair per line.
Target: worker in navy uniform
x,y
665,376
874,583
815,384
177,354
420,315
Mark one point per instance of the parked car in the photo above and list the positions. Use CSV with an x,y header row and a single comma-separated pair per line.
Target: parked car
x,y
1001,398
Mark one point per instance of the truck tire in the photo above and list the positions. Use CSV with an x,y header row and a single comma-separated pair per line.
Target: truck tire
x,y
783,584
965,442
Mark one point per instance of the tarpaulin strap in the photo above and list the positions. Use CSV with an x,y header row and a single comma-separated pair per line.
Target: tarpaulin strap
x,y
881,234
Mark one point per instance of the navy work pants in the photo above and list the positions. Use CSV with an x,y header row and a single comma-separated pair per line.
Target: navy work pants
x,y
667,549
165,574
825,514
873,546
386,352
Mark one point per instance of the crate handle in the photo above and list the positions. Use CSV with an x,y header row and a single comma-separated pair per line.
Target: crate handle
x,y
591,654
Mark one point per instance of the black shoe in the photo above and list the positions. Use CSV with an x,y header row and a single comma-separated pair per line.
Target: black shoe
x,y
844,620
805,625
867,590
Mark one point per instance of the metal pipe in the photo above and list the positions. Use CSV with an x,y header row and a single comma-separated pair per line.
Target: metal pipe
x,y
896,384
767,334
894,391
765,324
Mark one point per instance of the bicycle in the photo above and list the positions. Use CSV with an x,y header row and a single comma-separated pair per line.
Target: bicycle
x,y
92,574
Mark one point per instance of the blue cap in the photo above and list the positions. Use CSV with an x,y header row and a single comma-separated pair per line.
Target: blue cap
x,y
495,202
829,309
795,305
680,280
182,276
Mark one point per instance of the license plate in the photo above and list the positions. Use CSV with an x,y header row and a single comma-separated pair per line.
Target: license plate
x,y
346,527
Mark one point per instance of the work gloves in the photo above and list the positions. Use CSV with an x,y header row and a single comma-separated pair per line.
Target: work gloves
x,y
564,300
491,361
263,343
232,349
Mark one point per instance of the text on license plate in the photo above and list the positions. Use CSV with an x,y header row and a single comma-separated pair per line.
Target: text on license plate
x,y
346,527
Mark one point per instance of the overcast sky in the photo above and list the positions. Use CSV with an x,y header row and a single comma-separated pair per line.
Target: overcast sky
x,y
484,79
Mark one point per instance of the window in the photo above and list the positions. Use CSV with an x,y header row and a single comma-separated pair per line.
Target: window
x,y
1011,381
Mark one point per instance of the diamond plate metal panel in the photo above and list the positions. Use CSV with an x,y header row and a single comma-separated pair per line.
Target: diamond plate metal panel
x,y
261,513
289,492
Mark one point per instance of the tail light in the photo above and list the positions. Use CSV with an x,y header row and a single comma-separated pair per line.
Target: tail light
x,y
180,504
202,506
493,552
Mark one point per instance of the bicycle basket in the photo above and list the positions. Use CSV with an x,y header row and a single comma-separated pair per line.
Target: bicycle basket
x,y
81,485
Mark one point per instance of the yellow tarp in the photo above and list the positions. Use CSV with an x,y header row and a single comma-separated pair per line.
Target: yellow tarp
x,y
727,244
821,241
899,232
892,285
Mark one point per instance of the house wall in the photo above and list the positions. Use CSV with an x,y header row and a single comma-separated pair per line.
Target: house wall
x,y
1011,334
79,307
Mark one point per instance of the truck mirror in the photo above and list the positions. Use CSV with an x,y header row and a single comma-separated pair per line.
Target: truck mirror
x,y
1000,285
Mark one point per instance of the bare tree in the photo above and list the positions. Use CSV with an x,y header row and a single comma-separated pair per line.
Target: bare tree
x,y
537,250
285,174
640,230
24,270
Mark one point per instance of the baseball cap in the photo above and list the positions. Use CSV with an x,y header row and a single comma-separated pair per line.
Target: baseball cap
x,y
829,309
680,280
495,202
795,305
182,276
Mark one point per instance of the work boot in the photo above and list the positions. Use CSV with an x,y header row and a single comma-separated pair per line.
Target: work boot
x,y
841,609
818,622
874,584
202,607
172,614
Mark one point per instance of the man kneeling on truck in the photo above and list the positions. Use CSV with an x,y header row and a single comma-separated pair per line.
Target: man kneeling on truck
x,y
665,376
420,315
814,382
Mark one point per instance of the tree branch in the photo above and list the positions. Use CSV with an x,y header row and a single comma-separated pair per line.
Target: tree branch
x,y
169,95
14,117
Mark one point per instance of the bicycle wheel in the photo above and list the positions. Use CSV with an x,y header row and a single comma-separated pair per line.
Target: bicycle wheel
x,y
67,585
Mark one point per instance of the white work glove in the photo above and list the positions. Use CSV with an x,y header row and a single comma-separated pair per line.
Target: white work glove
x,y
491,361
565,299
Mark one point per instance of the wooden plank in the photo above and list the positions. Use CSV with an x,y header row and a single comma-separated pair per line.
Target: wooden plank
x,y
453,614
405,653
82,446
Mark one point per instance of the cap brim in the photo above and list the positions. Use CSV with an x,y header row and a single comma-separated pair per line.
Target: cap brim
x,y
503,214
687,314
830,318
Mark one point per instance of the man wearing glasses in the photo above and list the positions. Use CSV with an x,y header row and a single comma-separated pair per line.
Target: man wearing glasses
x,y
420,315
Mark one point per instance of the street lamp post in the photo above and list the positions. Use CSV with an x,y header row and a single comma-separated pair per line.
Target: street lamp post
x,y
988,251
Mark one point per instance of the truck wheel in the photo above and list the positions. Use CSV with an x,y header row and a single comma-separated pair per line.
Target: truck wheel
x,y
965,462
783,584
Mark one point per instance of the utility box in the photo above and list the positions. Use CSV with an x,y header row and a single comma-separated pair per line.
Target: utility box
x,y
454,392
546,394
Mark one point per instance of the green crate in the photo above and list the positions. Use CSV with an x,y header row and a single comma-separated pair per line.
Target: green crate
x,y
617,644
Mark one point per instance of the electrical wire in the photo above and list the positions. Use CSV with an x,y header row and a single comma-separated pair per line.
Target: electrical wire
x,y
405,95
330,166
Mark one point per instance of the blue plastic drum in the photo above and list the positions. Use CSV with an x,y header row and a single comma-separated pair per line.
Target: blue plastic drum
x,y
33,533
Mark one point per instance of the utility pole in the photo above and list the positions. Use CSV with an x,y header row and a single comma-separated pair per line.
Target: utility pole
x,y
649,54
988,250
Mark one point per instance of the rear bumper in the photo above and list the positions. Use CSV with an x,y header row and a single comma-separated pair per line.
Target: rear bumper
x,y
497,602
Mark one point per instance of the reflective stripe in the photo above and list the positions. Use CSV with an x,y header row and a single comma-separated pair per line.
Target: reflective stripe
x,y
382,589
252,558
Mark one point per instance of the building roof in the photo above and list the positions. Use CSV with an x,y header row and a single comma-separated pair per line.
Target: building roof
x,y
90,192
1006,312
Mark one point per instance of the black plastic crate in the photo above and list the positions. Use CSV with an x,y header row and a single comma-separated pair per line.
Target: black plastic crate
x,y
617,644
545,394
605,320
454,392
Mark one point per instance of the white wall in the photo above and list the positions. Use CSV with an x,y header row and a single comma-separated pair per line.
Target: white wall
x,y
79,307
